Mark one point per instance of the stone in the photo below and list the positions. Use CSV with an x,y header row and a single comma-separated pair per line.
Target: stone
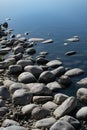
x,y
82,82
26,77
74,72
35,70
46,77
58,71
9,122
42,99
54,63
42,61
24,63
35,39
60,98
18,35
65,80
66,107
14,69
14,127
21,97
8,82
62,125
9,61
4,93
82,114
30,51
5,50
73,121
50,106
69,53
82,95
54,86
40,89
18,49
73,39
48,41
39,113
43,53
22,39
18,56
2,103
45,123
3,111
27,109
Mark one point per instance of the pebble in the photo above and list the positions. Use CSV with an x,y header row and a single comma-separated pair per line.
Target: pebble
x,y
30,51
42,61
4,92
5,50
82,114
58,71
69,53
54,86
48,41
35,39
9,122
14,69
8,82
82,82
18,49
54,63
3,111
82,95
73,39
24,63
14,127
65,80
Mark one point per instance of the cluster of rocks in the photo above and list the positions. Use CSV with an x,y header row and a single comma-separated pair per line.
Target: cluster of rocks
x,y
29,88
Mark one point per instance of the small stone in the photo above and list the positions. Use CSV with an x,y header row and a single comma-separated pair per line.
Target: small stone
x,y
73,39
31,51
2,103
65,80
4,93
5,50
3,111
13,69
22,39
58,71
8,82
18,49
24,63
42,61
43,53
35,39
54,63
82,82
42,99
48,41
14,127
82,95
70,53
54,86
9,122
82,114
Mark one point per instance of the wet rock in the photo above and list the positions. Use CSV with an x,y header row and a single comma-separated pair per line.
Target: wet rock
x,y
35,70
54,63
31,51
42,99
14,127
48,41
12,36
82,82
60,125
4,93
35,39
21,97
18,35
9,122
9,61
65,80
2,103
8,82
41,60
60,98
39,113
18,56
70,53
22,39
3,111
18,49
82,94
26,77
82,114
50,105
45,123
43,53
14,69
24,63
46,77
74,72
5,25
66,107
27,109
58,71
73,39
26,33
54,86
5,50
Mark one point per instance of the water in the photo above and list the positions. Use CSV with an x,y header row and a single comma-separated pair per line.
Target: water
x,y
56,19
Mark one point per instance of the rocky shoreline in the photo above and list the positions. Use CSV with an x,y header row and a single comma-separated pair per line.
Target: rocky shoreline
x,y
29,88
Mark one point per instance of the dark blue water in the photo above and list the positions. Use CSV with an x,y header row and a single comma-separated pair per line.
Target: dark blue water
x,y
56,19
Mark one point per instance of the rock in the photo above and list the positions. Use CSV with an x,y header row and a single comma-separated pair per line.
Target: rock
x,y
14,69
24,63
26,33
65,80
8,82
22,39
9,61
9,122
58,71
54,63
82,94
62,125
50,105
46,77
74,122
3,111
35,70
48,41
45,123
43,53
12,36
16,86
40,89
73,39
21,97
42,99
18,49
30,51
54,86
74,72
82,82
27,109
82,114
65,108
60,98
69,53
2,103
18,35
35,39
5,50
14,127
18,56
5,25
41,60
4,93
39,113
26,77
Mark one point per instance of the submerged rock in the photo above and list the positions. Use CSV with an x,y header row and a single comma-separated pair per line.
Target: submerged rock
x,y
35,39
70,53
48,41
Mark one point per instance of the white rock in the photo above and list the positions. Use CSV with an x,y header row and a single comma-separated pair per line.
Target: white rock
x,y
82,114
48,41
35,39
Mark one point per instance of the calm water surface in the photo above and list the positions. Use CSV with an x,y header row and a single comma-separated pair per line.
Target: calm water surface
x,y
56,19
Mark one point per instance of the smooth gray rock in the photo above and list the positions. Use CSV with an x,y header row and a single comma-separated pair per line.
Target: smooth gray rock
x,y
24,63
18,35
35,70
22,39
4,93
43,53
58,71
66,107
41,60
82,114
3,111
82,95
62,125
15,128
9,122
60,98
35,39
5,50
21,97
54,86
2,103
73,39
8,82
18,49
74,72
26,77
18,56
69,53
30,51
13,69
48,41
46,77
45,123
54,63
82,82
65,80
27,109
9,61
39,113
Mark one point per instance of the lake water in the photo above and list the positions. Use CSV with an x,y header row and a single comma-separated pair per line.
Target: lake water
x,y
56,19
